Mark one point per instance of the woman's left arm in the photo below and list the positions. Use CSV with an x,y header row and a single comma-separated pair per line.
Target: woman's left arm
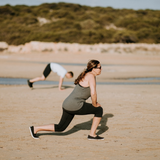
x,y
92,84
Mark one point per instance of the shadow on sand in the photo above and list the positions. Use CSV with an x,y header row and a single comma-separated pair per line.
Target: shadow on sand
x,y
64,87
84,126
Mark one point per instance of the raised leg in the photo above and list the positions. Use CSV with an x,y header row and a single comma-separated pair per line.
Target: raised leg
x,y
42,78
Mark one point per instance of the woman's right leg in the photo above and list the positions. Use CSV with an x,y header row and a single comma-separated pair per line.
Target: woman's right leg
x,y
63,124
49,127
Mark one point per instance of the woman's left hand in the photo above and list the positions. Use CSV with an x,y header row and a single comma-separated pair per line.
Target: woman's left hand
x,y
98,105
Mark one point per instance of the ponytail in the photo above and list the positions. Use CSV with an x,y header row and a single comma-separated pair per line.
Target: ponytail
x,y
80,77
91,64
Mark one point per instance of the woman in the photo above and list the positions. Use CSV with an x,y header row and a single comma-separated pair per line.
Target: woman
x,y
75,103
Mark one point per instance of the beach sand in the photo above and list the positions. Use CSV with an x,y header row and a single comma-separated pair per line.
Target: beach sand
x,y
130,123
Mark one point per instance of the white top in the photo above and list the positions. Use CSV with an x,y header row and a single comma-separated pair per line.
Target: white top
x,y
58,69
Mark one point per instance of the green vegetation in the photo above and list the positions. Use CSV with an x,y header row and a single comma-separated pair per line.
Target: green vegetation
x,y
73,23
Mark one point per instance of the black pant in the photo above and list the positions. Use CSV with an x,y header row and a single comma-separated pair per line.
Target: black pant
x,y
47,70
67,116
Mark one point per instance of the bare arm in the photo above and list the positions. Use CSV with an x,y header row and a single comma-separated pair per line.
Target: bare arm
x,y
92,84
60,83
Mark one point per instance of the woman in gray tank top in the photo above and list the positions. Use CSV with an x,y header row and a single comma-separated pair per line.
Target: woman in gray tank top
x,y
75,103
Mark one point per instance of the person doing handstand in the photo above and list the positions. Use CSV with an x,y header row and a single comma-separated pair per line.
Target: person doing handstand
x,y
75,103
55,67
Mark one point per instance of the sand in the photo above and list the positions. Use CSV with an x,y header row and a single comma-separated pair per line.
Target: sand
x,y
130,124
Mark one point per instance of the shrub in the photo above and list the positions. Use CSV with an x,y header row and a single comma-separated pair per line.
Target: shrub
x,y
89,24
79,24
124,37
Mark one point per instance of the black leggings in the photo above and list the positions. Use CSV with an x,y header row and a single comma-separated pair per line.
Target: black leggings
x,y
67,116
47,70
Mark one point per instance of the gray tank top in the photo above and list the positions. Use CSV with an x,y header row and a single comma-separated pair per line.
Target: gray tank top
x,y
76,99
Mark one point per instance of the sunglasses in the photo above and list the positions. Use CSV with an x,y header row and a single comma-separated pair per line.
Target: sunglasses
x,y
99,67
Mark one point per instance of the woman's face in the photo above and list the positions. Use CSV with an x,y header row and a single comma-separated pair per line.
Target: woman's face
x,y
98,69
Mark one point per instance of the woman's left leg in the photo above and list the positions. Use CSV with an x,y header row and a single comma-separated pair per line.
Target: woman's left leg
x,y
88,108
95,123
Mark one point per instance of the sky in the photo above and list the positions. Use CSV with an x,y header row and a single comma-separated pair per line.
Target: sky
x,y
118,4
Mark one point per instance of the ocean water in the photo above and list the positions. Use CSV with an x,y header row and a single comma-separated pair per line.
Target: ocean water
x,y
23,81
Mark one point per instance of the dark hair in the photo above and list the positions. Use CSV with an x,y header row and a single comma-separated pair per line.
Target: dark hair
x,y
71,73
91,64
